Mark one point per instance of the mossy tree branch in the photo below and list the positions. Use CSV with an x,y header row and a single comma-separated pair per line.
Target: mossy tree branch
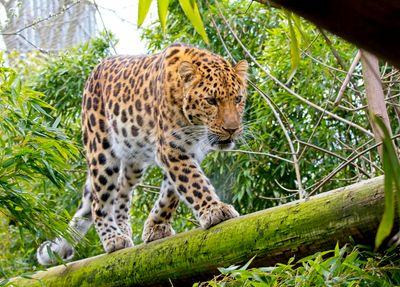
x,y
274,235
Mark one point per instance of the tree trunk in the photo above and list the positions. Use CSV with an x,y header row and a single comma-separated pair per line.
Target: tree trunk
x,y
274,235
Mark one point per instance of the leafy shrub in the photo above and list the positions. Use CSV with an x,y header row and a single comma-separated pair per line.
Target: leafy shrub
x,y
32,160
339,267
42,167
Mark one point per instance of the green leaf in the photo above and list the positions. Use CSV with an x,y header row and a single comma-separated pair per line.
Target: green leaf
x,y
393,159
386,224
294,45
144,6
228,269
192,12
337,249
244,267
162,13
391,167
18,208
3,282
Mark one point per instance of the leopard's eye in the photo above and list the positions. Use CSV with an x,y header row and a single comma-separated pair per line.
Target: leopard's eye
x,y
238,99
211,101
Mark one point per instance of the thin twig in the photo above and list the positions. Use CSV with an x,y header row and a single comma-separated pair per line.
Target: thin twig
x,y
324,64
351,179
295,162
394,104
260,153
348,78
344,164
285,188
368,160
333,154
148,186
61,11
119,17
334,51
104,27
313,132
33,45
350,109
276,198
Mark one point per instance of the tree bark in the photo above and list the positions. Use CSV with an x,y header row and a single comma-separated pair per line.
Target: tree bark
x,y
375,97
274,235
369,24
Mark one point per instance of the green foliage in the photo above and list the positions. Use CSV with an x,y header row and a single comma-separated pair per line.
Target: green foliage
x,y
62,78
391,166
33,158
295,39
34,150
189,7
192,13
162,13
143,9
339,267
42,168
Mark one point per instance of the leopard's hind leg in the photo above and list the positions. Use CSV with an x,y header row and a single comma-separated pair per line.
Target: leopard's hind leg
x,y
79,225
130,175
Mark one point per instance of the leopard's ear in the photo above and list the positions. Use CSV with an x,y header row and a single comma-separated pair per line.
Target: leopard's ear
x,y
187,71
241,69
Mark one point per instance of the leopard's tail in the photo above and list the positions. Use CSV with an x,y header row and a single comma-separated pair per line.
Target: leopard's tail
x,y
80,223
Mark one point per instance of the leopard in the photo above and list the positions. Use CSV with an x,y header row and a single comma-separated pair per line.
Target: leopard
x,y
168,109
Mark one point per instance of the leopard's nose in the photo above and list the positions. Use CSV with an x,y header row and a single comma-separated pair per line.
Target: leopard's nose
x,y
230,130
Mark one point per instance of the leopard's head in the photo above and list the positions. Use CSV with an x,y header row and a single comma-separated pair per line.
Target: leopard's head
x,y
214,97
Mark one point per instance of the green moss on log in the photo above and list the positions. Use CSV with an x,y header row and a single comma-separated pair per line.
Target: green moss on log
x,y
296,229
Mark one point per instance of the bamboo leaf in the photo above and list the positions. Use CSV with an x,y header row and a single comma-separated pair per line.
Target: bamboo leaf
x,y
391,167
244,267
298,28
393,158
162,13
192,13
386,224
144,6
294,45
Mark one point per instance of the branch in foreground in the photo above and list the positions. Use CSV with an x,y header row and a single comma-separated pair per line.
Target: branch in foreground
x,y
375,96
348,78
296,229
369,24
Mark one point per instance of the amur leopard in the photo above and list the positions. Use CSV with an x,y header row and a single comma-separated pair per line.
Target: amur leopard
x,y
170,109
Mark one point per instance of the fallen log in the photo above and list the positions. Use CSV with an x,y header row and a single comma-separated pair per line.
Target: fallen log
x,y
274,235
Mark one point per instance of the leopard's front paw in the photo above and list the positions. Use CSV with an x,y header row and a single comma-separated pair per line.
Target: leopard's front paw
x,y
117,242
153,231
217,213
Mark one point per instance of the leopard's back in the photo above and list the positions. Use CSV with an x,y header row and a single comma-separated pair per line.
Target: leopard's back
x,y
118,107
